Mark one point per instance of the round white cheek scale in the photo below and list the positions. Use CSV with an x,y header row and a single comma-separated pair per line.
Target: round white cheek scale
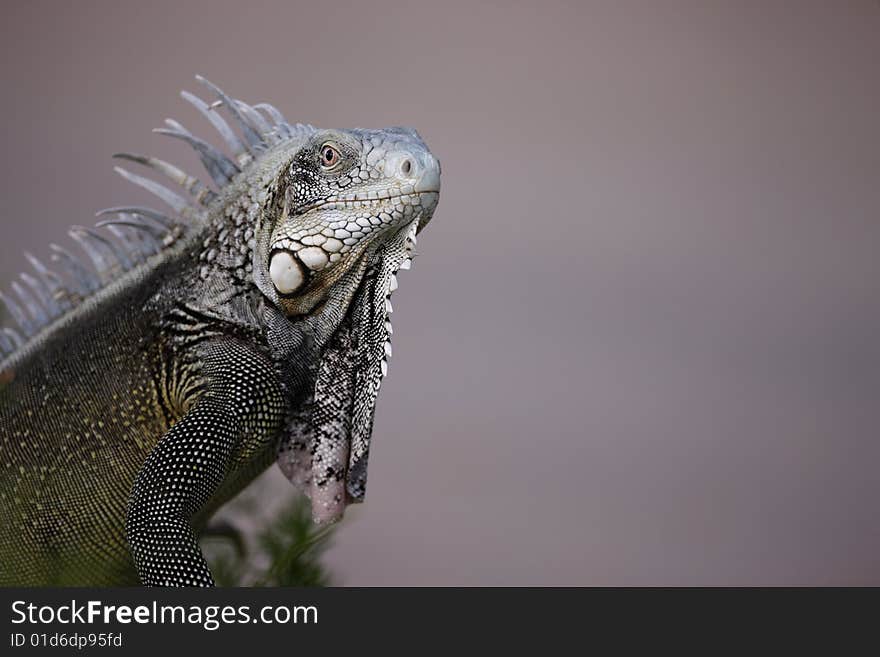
x,y
285,272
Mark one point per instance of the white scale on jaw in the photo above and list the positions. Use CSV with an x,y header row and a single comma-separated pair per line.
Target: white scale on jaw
x,y
285,272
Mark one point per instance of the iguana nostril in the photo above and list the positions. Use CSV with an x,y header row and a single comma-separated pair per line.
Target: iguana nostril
x,y
406,167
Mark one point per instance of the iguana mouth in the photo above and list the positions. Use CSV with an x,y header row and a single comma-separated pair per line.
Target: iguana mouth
x,y
367,199
295,265
297,257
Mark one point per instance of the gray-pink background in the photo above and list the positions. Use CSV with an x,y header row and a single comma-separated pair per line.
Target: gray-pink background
x,y
641,344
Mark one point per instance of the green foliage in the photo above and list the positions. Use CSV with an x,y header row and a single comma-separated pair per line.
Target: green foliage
x,y
288,551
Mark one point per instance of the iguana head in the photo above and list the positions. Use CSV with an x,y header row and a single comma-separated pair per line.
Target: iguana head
x,y
343,195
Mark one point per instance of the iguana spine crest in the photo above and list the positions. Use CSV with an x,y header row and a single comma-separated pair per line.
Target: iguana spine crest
x,y
132,235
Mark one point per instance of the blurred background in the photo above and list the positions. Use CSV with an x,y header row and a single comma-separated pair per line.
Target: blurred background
x,y
641,344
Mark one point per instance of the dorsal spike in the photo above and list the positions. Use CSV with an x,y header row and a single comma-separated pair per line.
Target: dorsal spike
x,y
154,233
85,281
105,256
149,213
174,201
43,295
235,144
149,236
52,282
272,111
256,120
175,125
13,336
19,315
282,127
192,185
221,169
300,129
137,244
118,250
35,310
6,344
254,143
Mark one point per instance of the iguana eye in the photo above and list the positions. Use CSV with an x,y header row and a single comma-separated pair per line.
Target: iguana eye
x,y
329,156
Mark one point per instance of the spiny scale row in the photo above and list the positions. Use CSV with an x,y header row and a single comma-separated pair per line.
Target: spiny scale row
x,y
133,234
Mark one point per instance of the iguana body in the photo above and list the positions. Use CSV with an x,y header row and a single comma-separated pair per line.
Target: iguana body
x,y
251,325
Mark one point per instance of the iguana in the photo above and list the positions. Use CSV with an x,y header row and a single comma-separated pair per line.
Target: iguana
x,y
247,324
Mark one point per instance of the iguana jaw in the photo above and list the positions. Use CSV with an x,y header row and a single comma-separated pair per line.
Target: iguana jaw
x,y
329,238
315,269
338,232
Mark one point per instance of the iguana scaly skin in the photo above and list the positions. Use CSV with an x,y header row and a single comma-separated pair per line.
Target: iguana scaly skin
x,y
248,324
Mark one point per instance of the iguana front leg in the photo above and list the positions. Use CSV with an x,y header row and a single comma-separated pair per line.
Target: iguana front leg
x,y
240,402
